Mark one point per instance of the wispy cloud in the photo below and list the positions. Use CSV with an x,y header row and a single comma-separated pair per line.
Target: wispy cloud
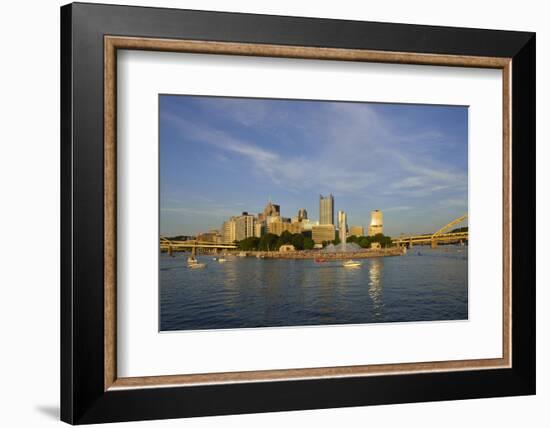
x,y
453,202
398,208
291,172
219,212
351,149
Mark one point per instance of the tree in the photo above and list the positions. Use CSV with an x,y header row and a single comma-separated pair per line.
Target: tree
x,y
308,243
268,242
386,242
298,241
364,242
249,244
285,238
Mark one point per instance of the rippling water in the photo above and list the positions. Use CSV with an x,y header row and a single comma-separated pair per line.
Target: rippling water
x,y
424,285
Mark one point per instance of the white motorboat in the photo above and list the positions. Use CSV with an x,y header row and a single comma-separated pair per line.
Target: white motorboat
x,y
197,265
351,263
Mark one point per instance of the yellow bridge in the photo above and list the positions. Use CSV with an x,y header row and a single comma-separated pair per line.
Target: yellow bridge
x,y
439,237
192,244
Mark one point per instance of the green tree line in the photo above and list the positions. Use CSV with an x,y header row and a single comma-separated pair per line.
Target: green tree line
x,y
272,242
366,241
303,241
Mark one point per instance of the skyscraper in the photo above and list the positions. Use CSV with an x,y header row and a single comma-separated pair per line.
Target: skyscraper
x,y
343,226
244,226
228,230
326,209
302,214
272,210
376,223
342,220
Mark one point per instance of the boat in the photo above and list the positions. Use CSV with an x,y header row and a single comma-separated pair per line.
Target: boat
x,y
351,263
215,258
320,260
197,265
191,260
222,260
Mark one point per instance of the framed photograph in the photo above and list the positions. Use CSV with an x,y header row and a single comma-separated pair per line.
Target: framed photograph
x,y
266,213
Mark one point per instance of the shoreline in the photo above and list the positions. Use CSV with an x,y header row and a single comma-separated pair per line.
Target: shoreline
x,y
306,254
313,254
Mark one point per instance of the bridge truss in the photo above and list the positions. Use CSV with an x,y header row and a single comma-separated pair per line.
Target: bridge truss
x,y
438,237
170,246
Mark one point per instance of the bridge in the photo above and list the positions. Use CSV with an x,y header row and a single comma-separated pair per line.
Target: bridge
x,y
439,237
170,246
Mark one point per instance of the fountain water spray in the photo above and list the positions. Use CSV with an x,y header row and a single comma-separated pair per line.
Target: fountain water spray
x,y
342,225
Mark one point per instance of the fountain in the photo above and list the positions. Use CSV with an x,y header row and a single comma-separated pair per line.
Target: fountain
x,y
342,220
343,246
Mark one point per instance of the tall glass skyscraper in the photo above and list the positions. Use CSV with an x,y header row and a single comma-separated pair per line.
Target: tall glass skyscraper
x,y
326,209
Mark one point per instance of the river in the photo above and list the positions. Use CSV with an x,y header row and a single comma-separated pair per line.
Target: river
x,y
424,285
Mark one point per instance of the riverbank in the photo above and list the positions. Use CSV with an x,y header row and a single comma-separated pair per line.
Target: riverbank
x,y
303,254
314,254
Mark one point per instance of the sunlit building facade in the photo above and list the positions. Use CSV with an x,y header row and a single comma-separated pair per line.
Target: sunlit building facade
x,y
323,232
277,225
376,223
356,231
259,229
210,236
228,230
326,209
244,226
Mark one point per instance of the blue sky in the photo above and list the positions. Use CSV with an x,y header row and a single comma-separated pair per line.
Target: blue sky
x,y
221,156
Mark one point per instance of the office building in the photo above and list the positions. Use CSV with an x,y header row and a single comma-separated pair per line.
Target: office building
x,y
295,227
259,229
277,225
376,223
323,232
342,220
326,209
210,236
228,230
356,231
272,210
244,226
307,224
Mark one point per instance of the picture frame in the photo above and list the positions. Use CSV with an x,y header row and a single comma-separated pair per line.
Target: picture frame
x,y
91,391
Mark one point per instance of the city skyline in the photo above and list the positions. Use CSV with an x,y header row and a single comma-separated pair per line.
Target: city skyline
x,y
272,211
220,157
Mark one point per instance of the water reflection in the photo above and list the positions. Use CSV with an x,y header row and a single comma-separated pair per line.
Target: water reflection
x,y
250,292
375,287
